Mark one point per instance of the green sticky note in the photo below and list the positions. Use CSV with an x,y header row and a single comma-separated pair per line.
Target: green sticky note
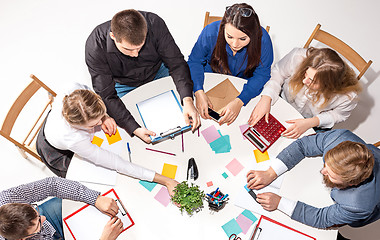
x,y
249,215
232,227
225,175
148,185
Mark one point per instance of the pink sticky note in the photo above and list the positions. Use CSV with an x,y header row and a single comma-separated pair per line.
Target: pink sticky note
x,y
210,134
244,223
234,167
163,196
209,184
243,128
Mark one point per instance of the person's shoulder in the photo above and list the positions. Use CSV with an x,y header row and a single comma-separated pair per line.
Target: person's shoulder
x,y
334,137
152,19
101,30
213,27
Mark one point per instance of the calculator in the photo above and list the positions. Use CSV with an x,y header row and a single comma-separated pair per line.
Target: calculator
x,y
264,134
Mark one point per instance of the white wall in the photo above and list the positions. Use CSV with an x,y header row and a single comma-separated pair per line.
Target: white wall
x,y
47,38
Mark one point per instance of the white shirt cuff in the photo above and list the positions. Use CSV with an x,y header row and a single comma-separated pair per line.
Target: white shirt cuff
x,y
278,166
287,206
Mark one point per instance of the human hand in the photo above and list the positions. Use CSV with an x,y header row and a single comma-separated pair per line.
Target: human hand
x,y
190,113
170,185
299,127
109,125
260,179
231,111
269,201
203,103
262,108
144,134
112,229
107,205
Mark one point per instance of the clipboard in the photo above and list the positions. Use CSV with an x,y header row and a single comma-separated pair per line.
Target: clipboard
x,y
269,229
88,222
222,94
162,114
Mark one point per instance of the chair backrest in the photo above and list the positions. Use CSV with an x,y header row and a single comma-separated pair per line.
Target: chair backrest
x,y
210,19
338,45
25,146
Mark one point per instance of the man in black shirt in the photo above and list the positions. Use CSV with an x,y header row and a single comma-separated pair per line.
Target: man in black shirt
x,y
132,49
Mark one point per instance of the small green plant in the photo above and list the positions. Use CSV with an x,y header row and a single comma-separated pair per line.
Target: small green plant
x,y
189,198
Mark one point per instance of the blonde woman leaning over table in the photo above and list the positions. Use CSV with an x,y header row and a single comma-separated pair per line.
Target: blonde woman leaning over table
x,y
69,128
316,82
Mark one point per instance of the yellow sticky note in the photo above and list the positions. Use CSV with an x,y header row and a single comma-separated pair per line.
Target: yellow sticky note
x,y
114,138
97,141
260,157
169,170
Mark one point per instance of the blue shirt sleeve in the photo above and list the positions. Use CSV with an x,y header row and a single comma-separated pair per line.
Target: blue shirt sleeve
x,y
201,54
261,75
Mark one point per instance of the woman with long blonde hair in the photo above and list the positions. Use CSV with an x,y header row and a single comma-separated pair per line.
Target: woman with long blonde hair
x,y
316,82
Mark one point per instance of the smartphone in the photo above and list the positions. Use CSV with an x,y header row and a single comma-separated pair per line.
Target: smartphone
x,y
214,115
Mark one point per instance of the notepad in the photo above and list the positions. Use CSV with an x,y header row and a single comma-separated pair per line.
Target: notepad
x,y
162,114
88,222
169,170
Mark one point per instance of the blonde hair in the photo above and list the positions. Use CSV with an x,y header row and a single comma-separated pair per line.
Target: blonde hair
x,y
333,75
82,106
352,161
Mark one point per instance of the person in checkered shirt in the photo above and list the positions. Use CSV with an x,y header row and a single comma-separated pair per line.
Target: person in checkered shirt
x,y
20,218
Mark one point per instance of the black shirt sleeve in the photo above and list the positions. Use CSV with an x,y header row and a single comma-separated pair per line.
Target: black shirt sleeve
x,y
103,82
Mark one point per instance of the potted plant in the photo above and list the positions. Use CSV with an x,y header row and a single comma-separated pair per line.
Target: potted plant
x,y
189,198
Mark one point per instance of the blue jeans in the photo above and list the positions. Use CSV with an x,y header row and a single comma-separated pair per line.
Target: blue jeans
x,y
52,210
122,89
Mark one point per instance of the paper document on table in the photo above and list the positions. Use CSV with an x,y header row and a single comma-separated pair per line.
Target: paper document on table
x,y
245,200
269,229
162,114
88,222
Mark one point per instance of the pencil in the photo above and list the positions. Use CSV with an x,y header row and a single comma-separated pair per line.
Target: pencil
x,y
183,147
160,151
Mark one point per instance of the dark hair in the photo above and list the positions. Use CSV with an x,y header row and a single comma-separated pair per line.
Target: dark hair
x,y
129,25
333,75
248,25
16,219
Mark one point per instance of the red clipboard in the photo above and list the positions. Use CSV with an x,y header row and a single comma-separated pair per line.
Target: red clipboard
x,y
268,228
122,212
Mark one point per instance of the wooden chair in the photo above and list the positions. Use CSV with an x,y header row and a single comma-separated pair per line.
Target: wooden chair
x,y
342,48
25,146
377,144
210,19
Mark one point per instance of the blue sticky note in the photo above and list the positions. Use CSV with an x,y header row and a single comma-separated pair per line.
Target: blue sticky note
x,y
148,185
225,175
246,188
232,227
221,145
249,215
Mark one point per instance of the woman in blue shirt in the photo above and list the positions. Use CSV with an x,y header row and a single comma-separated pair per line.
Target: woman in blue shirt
x,y
237,45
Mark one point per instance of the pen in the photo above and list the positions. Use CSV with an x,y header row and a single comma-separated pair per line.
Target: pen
x,y
129,152
160,151
223,197
183,147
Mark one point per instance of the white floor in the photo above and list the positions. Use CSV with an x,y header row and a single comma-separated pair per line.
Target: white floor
x,y
47,38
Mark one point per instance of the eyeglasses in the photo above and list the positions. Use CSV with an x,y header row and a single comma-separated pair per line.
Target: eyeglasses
x,y
36,235
245,12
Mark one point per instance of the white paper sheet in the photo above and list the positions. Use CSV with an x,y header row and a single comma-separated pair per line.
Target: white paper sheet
x,y
89,222
161,113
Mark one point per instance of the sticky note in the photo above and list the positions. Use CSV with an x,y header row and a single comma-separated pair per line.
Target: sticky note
x,y
244,223
232,227
169,170
114,138
249,215
221,145
234,167
225,175
210,134
260,157
148,185
209,184
243,128
97,141
163,196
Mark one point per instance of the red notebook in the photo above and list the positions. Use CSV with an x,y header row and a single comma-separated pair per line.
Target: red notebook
x,y
269,229
264,134
88,222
